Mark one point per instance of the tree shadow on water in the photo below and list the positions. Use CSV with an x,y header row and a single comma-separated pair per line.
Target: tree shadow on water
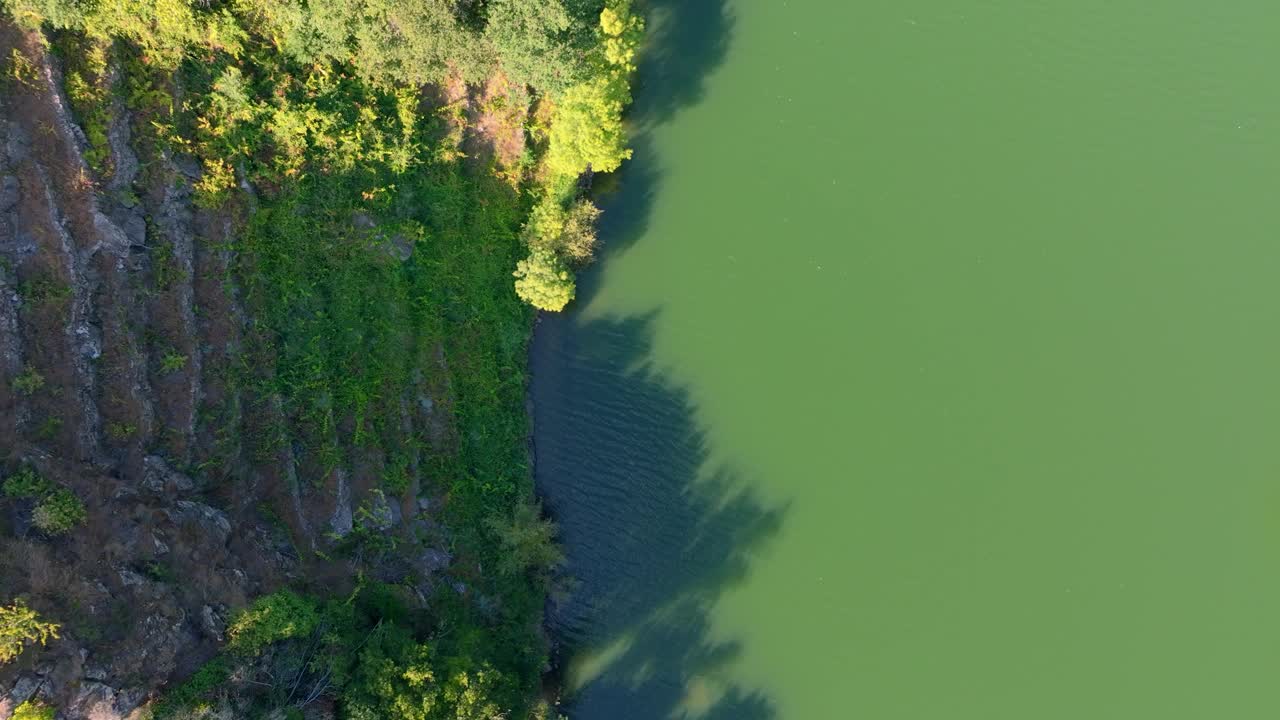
x,y
653,536
685,41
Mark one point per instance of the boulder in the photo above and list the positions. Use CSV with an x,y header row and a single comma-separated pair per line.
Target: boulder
x,y
160,479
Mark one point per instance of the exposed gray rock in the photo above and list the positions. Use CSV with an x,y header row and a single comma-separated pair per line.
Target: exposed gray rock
x,y
341,522
123,159
208,519
161,640
89,341
401,247
23,690
11,344
187,165
19,145
82,338
135,228
432,560
159,478
124,493
130,578
213,620
8,193
96,671
110,236
174,221
99,701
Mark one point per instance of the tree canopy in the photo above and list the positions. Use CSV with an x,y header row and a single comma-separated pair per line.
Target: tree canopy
x,y
543,281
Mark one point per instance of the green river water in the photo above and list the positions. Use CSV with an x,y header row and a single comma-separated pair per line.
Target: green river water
x,y
931,369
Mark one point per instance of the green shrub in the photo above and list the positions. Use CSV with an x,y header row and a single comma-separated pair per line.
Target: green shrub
x,y
528,541
578,237
88,85
172,361
570,234
57,509
394,676
48,429
279,616
190,694
529,38
28,381
45,292
587,127
26,483
20,625
544,282
33,710
396,477
58,512
22,70
121,431
215,183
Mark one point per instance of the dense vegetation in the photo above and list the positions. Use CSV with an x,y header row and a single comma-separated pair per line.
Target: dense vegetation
x,y
370,241
55,510
333,86
366,650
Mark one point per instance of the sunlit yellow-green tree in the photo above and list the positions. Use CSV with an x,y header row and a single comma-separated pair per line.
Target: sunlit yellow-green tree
x,y
33,710
20,625
587,128
543,281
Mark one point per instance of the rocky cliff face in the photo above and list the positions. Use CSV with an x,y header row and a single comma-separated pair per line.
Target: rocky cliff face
x,y
120,324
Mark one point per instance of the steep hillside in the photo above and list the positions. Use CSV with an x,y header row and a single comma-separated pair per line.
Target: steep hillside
x,y
260,347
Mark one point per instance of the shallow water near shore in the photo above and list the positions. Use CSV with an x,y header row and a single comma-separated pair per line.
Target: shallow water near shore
x,y
930,369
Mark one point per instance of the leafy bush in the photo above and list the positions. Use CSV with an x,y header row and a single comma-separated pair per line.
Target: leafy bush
x,y
26,483
396,476
121,431
544,282
28,381
528,541
394,675
172,361
20,625
57,509
58,512
48,428
587,128
272,618
531,38
46,291
211,676
215,182
369,653
88,84
32,710
570,234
